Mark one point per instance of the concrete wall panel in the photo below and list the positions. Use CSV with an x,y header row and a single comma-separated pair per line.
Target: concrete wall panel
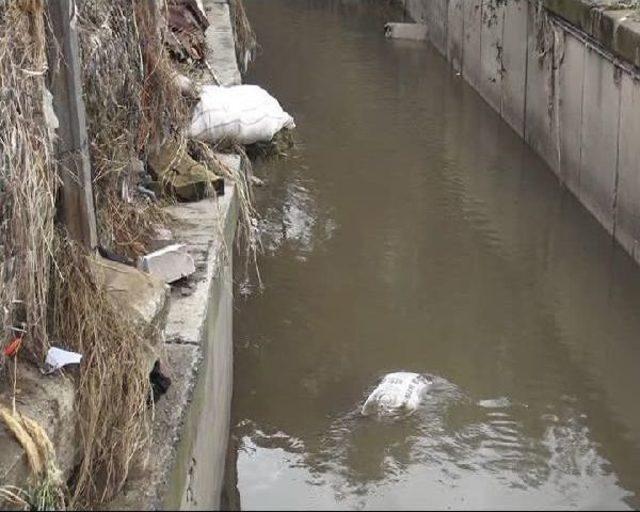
x,y
628,199
438,34
514,62
540,119
455,33
471,64
571,81
600,116
491,48
417,9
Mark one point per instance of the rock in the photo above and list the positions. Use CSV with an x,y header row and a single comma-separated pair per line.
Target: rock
x,y
130,288
168,264
415,31
49,400
182,176
143,296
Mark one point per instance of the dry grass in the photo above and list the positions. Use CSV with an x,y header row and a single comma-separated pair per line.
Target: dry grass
x,y
244,36
113,387
133,105
47,490
131,225
27,174
247,239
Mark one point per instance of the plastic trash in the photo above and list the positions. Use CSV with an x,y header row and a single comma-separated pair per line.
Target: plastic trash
x,y
243,113
58,358
397,393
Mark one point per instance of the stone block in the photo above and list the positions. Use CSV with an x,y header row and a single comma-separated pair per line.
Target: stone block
x,y
168,264
144,295
414,31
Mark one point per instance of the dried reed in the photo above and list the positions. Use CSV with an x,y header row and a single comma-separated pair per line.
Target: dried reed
x,y
28,180
113,386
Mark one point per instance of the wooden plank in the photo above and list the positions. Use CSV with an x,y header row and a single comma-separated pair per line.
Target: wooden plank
x,y
78,211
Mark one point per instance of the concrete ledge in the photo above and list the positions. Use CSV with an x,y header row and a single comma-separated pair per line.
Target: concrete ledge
x,y
614,28
207,228
197,351
221,43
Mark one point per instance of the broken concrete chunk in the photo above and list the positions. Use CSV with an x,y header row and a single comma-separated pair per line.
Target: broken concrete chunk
x,y
168,264
181,175
141,296
415,31
161,237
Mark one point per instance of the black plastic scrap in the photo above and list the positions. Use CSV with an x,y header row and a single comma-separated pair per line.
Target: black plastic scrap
x,y
160,383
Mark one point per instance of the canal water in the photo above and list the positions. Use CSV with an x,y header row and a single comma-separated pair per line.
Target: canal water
x,y
412,230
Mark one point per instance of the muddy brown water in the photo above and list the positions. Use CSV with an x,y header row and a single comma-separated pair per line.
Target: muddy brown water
x,y
413,230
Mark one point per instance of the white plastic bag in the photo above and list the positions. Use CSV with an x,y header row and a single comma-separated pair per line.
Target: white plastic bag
x,y
243,113
58,358
399,392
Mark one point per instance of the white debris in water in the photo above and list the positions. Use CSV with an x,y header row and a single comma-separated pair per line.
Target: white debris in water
x,y
399,392
495,403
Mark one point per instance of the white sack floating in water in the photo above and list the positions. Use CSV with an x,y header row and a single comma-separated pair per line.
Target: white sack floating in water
x,y
243,113
397,393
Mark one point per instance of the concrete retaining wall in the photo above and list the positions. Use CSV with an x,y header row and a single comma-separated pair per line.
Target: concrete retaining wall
x,y
564,75
191,426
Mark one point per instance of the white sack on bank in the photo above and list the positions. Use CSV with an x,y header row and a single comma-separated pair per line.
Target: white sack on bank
x,y
399,392
243,113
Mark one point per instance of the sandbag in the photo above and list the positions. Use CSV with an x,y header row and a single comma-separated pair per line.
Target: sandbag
x,y
243,113
397,393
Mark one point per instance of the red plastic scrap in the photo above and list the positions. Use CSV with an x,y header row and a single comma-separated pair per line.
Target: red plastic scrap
x,y
12,348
